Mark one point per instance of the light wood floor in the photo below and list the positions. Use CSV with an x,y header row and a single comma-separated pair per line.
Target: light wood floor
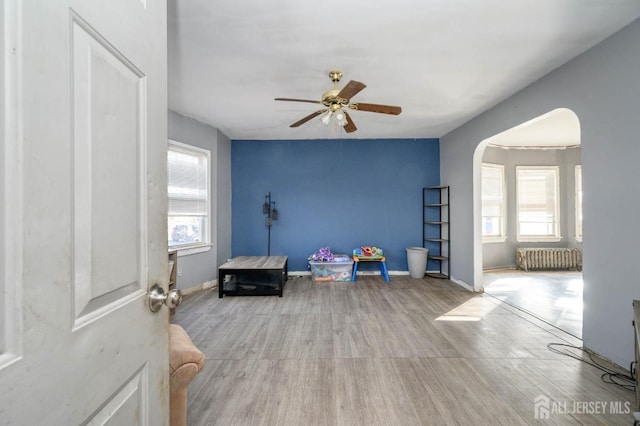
x,y
553,296
377,353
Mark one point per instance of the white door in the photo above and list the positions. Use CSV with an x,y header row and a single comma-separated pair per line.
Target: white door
x,y
83,214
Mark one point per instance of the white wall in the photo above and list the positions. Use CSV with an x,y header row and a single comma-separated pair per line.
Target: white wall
x,y
223,199
200,268
602,86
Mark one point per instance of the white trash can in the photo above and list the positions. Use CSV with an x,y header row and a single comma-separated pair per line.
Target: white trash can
x,y
417,260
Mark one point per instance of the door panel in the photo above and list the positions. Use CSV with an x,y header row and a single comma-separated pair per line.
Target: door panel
x,y
83,190
123,408
108,148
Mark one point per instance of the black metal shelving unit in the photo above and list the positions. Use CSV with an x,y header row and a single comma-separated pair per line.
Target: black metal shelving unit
x,y
435,228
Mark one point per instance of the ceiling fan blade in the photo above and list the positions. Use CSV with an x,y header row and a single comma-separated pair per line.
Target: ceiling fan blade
x,y
298,100
350,126
384,109
307,118
351,89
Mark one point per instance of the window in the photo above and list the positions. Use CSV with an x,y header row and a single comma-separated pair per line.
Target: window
x,y
493,203
189,196
537,203
579,203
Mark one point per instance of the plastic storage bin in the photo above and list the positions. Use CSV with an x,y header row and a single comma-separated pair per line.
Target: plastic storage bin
x,y
338,270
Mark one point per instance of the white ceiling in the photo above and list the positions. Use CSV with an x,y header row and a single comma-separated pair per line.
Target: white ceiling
x,y
443,61
559,128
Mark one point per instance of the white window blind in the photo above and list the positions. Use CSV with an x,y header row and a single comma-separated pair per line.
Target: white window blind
x,y
189,195
493,201
538,203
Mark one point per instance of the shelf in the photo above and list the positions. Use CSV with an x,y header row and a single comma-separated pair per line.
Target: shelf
x,y
173,274
437,275
435,228
173,268
438,257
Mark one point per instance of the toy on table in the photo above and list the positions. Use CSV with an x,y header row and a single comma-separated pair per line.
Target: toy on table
x,y
369,254
368,251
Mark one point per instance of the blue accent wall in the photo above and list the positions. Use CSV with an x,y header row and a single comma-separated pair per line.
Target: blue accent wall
x,y
336,193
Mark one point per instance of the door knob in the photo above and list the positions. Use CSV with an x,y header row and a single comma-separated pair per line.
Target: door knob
x,y
157,297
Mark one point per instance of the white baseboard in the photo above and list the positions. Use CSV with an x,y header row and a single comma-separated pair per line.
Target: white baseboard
x,y
214,283
199,287
307,273
498,268
462,284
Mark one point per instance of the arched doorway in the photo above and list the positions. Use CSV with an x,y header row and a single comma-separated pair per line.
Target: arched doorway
x,y
546,147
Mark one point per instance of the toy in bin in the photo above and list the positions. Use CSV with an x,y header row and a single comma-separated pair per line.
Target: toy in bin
x,y
322,255
325,266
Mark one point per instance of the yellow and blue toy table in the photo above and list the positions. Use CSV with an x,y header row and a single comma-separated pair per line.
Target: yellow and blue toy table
x,y
359,256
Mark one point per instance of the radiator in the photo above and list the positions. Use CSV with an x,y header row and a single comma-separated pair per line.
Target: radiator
x,y
548,258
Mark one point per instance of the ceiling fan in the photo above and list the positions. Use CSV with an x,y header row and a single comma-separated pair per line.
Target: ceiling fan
x,y
336,101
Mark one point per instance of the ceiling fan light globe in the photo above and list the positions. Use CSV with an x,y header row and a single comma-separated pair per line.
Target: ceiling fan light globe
x,y
326,117
341,118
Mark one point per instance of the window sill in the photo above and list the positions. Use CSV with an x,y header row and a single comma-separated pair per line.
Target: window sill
x,y
489,240
186,251
579,239
539,239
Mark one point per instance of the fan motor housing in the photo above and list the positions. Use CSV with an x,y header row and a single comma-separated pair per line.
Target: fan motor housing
x,y
331,100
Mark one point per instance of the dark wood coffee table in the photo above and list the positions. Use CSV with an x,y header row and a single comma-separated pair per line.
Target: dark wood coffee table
x,y
253,276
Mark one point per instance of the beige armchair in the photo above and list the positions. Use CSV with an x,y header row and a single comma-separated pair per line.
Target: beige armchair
x,y
185,361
